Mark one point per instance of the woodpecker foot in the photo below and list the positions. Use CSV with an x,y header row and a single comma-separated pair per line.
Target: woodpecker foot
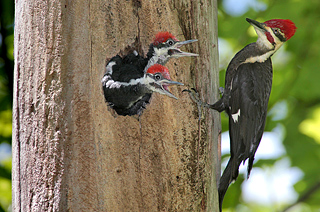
x,y
194,95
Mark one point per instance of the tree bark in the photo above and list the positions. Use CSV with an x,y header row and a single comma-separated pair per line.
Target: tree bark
x,y
69,151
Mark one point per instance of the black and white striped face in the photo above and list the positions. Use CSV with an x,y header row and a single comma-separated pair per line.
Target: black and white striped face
x,y
268,37
157,79
271,35
171,49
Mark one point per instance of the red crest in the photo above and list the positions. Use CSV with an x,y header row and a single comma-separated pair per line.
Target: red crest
x,y
157,68
285,25
162,37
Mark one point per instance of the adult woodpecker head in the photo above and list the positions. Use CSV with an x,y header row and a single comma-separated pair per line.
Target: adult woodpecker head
x,y
157,79
166,46
273,33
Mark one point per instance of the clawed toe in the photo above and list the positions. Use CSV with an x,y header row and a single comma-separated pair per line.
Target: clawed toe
x,y
194,95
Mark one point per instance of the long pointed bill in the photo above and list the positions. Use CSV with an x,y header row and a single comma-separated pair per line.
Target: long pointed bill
x,y
162,87
176,52
257,25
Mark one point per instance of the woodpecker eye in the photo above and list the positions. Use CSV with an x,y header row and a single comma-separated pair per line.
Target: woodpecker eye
x,y
170,42
157,77
276,31
279,34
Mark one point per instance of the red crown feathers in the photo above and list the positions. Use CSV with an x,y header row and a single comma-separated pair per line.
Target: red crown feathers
x,y
157,68
162,37
285,25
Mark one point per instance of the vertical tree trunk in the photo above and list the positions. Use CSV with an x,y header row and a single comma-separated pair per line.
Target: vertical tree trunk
x,y
69,151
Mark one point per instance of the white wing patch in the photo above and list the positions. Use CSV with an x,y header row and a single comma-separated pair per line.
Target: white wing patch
x,y
105,79
109,83
112,84
235,116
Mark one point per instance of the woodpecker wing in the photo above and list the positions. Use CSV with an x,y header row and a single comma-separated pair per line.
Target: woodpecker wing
x,y
249,93
130,67
125,100
248,105
247,90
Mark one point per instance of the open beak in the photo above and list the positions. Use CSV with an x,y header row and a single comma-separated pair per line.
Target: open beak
x,y
163,85
175,51
259,27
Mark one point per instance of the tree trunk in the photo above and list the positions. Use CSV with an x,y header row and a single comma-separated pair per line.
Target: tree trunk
x,y
69,151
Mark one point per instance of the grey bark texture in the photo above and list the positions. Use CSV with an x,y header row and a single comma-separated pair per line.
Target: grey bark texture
x,y
69,152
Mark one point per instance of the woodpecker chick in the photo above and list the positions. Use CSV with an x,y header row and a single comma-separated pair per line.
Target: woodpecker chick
x,y
245,97
129,96
157,79
134,66
164,47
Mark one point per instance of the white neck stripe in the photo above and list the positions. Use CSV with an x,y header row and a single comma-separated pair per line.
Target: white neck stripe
x,y
259,58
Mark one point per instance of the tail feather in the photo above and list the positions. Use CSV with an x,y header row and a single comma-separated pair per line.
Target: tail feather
x,y
230,174
250,164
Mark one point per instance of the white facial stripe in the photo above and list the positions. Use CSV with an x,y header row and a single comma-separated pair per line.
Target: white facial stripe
x,y
278,42
263,41
149,81
160,52
283,35
159,56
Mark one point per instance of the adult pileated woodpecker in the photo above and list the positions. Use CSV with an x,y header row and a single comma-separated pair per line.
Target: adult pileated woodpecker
x,y
245,98
126,95
125,100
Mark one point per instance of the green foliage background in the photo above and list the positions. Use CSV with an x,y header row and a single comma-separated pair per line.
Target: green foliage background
x,y
6,86
296,83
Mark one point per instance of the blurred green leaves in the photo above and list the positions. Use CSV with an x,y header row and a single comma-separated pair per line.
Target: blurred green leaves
x,y
296,85
6,87
311,127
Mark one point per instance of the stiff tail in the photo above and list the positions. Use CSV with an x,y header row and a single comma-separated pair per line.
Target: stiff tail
x,y
250,164
230,174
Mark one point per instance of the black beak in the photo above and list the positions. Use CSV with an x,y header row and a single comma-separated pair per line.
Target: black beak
x,y
176,52
257,25
162,87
